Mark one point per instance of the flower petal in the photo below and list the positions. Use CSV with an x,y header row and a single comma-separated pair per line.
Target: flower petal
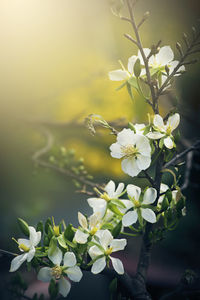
x,y
168,143
105,239
56,256
173,121
69,259
17,262
81,237
64,286
143,162
119,190
117,265
30,254
118,244
94,251
158,122
164,56
98,265
129,218
34,236
149,196
131,63
98,205
130,167
26,242
148,215
143,146
133,191
110,188
118,75
94,219
155,135
173,65
82,220
74,273
116,150
126,137
44,274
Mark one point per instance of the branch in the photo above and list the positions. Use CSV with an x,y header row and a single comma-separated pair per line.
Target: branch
x,y
182,154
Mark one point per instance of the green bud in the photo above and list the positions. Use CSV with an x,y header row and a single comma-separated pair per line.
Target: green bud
x,y
69,233
46,240
46,226
23,226
165,203
39,227
180,204
117,229
131,126
137,68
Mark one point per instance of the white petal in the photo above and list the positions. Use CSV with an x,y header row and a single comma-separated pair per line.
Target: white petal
x,y
173,65
131,62
165,56
154,135
146,52
149,196
168,143
129,218
173,121
74,273
44,274
56,256
117,265
143,146
163,187
64,286
116,150
158,122
119,189
81,237
148,215
127,203
118,244
82,220
34,236
126,137
130,167
69,259
17,262
94,251
30,254
110,188
98,205
106,239
139,128
118,75
98,265
133,191
143,162
94,219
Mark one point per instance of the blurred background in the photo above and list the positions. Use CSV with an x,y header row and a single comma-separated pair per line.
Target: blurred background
x,y
54,61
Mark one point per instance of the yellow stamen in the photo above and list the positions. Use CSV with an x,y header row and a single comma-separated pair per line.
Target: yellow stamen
x,y
105,197
136,203
109,251
56,272
93,230
56,230
24,247
129,150
169,130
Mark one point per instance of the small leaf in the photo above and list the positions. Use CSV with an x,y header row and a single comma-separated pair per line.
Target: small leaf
x,y
23,226
129,90
62,242
39,227
53,289
69,233
137,68
117,229
46,226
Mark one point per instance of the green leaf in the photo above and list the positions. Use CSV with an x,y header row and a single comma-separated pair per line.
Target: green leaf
x,y
137,68
140,219
118,203
23,226
180,204
95,259
165,203
46,240
121,86
53,289
97,245
133,82
52,246
113,286
69,243
114,209
50,232
69,233
131,126
39,227
129,90
108,226
117,229
47,223
161,143
62,242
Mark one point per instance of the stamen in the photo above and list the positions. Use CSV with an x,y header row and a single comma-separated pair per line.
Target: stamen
x,y
56,272
129,150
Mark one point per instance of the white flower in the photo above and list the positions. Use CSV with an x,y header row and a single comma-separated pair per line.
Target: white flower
x,y
26,246
104,248
58,272
164,131
163,58
87,228
139,205
111,194
122,74
135,151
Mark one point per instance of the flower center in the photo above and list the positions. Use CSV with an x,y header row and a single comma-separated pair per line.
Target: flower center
x,y
105,197
109,251
24,247
136,203
129,150
93,230
56,230
56,272
169,130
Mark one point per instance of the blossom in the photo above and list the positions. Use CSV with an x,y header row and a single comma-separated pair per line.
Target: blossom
x,y
139,205
110,195
87,228
122,74
165,131
28,247
58,272
134,149
106,246
163,58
